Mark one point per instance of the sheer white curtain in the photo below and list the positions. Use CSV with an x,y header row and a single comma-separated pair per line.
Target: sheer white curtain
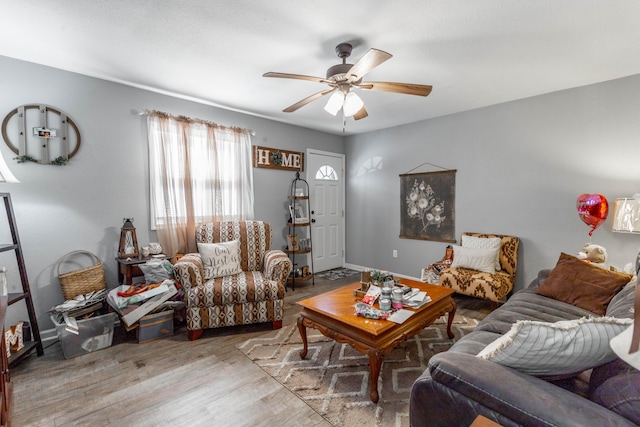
x,y
199,172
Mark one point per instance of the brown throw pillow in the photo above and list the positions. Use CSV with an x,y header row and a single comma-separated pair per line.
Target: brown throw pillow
x,y
586,286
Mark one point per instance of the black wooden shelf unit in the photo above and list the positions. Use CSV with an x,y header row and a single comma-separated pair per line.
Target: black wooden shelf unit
x,y
35,343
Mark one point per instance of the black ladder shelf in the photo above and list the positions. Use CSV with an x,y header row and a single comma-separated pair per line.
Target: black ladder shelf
x,y
25,295
295,230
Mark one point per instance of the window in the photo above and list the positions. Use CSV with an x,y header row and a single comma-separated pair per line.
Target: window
x,y
199,172
327,173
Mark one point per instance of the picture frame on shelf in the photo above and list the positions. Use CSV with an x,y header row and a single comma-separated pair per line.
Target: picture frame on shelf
x,y
298,215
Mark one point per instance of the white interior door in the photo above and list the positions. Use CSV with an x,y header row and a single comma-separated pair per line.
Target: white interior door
x,y
325,175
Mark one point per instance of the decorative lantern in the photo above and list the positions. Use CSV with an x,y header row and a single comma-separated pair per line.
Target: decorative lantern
x,y
128,241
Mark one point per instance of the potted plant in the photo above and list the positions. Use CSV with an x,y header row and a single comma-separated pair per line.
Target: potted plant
x,y
378,277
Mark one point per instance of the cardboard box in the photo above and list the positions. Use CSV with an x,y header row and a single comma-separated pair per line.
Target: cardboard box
x,y
156,325
133,316
94,334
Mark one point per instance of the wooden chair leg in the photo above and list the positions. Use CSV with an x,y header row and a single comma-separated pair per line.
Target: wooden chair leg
x,y
194,334
277,324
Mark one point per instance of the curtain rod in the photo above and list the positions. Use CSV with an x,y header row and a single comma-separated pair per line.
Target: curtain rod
x,y
138,112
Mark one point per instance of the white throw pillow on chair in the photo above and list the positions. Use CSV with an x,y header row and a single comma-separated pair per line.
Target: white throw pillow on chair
x,y
483,243
474,259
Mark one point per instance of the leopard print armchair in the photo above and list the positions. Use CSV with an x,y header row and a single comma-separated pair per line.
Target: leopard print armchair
x,y
255,295
492,287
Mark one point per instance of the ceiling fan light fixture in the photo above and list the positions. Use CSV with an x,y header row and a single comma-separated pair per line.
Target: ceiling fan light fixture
x,y
343,78
352,104
334,104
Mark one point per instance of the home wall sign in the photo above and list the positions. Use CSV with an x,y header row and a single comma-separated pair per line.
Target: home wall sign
x,y
42,134
427,206
275,158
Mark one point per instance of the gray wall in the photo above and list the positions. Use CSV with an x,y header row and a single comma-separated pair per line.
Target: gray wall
x,y
60,209
520,168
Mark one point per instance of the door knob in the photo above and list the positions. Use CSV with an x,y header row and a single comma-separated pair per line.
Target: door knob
x,y
313,220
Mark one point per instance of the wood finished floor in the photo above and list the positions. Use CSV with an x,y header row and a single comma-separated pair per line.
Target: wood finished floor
x,y
169,382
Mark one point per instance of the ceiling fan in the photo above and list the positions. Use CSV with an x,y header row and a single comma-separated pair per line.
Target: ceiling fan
x,y
344,78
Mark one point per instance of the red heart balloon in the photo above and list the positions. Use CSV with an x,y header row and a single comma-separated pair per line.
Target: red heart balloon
x,y
592,209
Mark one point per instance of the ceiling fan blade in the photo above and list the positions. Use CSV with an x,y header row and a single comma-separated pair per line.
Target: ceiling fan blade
x,y
296,77
406,88
361,114
307,100
368,62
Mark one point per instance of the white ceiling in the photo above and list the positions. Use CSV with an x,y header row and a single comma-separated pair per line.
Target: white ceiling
x,y
473,52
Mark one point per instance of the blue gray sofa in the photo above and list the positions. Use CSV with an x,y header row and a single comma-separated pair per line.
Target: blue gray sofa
x,y
458,386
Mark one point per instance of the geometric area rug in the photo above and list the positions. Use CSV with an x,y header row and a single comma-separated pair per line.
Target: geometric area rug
x,y
336,273
334,378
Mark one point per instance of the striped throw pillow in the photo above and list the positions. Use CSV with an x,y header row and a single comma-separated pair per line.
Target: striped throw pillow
x,y
559,348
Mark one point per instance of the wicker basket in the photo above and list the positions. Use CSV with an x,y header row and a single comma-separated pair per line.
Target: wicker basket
x,y
83,281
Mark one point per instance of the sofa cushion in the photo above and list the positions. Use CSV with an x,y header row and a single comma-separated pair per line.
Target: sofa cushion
x,y
527,305
491,243
474,342
480,259
616,386
220,259
579,283
558,348
622,304
246,286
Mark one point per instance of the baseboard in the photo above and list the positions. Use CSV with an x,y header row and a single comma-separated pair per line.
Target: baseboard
x,y
362,268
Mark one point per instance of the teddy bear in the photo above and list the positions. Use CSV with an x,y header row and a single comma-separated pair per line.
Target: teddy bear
x,y
594,254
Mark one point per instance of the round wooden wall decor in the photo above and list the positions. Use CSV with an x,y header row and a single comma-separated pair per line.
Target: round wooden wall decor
x,y
42,134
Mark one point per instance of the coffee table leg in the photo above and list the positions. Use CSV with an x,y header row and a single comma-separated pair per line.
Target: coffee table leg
x,y
452,313
375,363
303,335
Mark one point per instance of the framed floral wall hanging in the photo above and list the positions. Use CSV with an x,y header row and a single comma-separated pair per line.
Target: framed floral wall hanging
x,y
427,206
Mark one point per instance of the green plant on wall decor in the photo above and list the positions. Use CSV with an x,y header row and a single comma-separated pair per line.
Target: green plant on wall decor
x,y
24,159
58,161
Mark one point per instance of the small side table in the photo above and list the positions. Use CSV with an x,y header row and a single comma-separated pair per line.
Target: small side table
x,y
129,268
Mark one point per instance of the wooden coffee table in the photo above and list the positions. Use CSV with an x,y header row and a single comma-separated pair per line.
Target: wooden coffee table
x,y
333,314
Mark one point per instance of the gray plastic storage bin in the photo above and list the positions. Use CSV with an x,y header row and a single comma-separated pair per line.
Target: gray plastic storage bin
x,y
95,333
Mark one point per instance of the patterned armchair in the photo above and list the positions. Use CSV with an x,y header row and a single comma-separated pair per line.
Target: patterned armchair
x,y
255,295
492,287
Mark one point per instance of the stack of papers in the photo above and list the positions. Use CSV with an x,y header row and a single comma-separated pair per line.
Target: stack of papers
x,y
416,298
401,315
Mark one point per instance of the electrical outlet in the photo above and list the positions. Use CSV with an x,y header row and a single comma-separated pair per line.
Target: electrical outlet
x,y
395,253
